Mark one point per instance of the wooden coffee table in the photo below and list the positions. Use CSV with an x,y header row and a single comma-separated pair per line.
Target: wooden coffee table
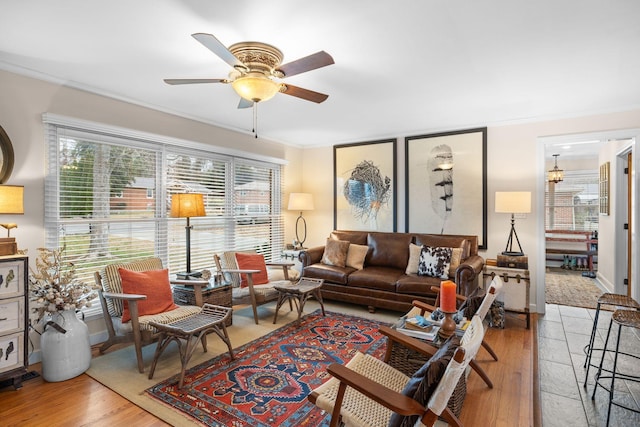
x,y
299,293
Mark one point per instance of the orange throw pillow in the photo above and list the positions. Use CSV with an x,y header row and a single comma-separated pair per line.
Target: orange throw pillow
x,y
252,262
152,283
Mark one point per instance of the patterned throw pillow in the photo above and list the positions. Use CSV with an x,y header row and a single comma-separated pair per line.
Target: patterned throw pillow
x,y
435,262
335,252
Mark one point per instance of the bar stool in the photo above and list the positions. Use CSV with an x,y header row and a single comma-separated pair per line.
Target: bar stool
x,y
618,300
627,318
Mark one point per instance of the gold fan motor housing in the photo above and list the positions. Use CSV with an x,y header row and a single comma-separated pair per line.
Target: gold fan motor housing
x,y
258,56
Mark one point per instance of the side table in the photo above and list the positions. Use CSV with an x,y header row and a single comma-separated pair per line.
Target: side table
x,y
515,292
292,254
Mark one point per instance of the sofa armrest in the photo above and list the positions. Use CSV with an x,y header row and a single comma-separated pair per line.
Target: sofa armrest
x,y
467,273
311,256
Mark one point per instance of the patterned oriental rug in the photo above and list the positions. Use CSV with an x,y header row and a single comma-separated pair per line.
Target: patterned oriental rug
x,y
268,382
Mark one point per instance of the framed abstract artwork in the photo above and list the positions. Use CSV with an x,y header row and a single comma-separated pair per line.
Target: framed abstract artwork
x,y
365,186
446,183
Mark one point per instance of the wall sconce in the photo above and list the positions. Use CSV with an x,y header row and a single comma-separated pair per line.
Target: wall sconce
x,y
513,202
556,175
300,202
11,203
187,205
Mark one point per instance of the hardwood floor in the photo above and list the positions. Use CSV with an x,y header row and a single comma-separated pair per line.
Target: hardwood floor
x,y
82,401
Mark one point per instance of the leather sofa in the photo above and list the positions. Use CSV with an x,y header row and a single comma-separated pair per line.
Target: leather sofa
x,y
383,282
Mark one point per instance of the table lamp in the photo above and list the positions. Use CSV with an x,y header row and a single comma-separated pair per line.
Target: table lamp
x,y
12,203
300,202
513,202
187,205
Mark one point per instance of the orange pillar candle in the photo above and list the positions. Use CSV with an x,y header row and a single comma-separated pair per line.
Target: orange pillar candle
x,y
448,296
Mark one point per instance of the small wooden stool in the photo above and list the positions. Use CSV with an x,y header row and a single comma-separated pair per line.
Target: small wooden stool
x,y
299,292
192,329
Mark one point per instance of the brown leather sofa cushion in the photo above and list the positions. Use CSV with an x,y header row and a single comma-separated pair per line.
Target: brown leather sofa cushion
x,y
357,237
412,284
388,250
383,278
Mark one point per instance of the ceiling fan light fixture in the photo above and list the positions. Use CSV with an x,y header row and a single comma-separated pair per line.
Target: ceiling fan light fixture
x,y
255,87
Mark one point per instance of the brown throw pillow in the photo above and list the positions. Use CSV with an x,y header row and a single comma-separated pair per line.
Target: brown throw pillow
x,y
335,253
456,258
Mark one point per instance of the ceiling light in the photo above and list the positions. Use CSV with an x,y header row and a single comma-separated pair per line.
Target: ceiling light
x,y
556,175
255,87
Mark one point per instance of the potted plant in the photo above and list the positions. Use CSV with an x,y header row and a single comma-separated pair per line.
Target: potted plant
x,y
56,295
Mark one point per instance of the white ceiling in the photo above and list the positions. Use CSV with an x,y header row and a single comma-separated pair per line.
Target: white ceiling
x,y
403,67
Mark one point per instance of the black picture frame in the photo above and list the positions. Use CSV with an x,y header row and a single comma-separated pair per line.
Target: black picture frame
x,y
365,186
446,183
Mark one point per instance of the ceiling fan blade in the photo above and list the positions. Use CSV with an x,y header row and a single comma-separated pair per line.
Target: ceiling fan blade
x,y
305,94
245,103
214,45
192,81
308,63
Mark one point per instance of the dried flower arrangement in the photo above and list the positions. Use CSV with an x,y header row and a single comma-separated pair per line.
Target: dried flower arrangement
x,y
54,286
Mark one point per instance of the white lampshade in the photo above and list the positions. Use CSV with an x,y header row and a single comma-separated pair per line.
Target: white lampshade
x,y
300,202
11,199
513,202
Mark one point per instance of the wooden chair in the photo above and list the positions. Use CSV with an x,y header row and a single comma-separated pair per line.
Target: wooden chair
x,y
494,290
367,391
137,330
253,294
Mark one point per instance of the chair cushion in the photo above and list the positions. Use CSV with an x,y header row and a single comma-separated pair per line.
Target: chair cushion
x,y
424,382
152,283
248,261
111,280
335,253
435,261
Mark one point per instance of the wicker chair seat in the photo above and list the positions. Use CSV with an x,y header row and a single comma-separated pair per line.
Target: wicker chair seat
x,y
179,313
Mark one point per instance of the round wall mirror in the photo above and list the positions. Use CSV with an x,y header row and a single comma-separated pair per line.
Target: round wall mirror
x,y
6,156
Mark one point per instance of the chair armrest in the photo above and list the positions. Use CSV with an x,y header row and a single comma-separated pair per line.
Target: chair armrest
x,y
423,306
397,402
125,297
239,271
406,341
280,264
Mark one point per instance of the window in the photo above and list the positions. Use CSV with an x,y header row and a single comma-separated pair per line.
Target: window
x,y
107,200
572,204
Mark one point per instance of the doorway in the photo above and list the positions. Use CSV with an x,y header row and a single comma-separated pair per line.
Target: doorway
x,y
597,146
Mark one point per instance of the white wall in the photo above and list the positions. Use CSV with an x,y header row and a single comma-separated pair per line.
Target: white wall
x,y
515,162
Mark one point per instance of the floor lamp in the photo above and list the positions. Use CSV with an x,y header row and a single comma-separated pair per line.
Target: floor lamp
x,y
187,205
300,202
513,202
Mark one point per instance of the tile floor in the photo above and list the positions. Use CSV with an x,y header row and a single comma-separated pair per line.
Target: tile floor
x,y
562,333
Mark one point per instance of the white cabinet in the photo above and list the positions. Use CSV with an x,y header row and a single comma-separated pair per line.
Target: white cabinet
x,y
13,318
515,292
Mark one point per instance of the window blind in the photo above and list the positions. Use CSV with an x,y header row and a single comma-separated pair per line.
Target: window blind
x,y
107,200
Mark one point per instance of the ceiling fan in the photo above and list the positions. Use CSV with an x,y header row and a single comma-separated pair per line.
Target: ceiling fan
x,y
257,69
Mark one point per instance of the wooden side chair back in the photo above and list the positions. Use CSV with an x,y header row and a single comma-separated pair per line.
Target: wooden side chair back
x,y
368,392
253,294
112,298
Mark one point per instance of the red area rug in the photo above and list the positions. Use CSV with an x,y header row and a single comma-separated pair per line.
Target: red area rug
x,y
268,382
